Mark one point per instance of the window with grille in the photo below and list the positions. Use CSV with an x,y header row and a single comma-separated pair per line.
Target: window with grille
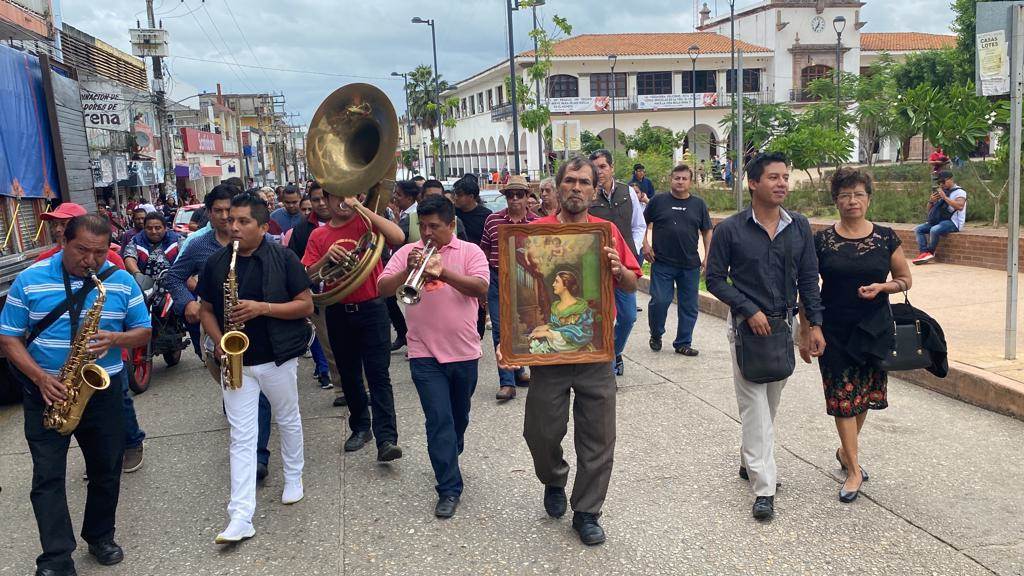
x,y
501,95
653,83
601,84
705,81
751,81
563,86
490,99
812,73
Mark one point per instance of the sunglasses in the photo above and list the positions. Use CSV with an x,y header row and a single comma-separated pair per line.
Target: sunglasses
x,y
517,194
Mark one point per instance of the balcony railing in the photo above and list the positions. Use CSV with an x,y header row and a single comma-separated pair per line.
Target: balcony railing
x,y
501,113
802,95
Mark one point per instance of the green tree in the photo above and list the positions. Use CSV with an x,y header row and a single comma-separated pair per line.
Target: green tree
x,y
812,146
423,100
589,143
655,139
762,123
964,20
936,68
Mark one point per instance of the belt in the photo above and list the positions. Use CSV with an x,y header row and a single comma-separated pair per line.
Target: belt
x,y
353,307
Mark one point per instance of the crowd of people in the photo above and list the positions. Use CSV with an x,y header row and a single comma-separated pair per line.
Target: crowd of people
x,y
764,262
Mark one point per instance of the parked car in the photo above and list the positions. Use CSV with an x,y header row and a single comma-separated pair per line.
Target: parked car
x,y
493,200
183,217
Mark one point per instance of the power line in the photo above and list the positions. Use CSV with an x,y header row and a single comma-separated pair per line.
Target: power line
x,y
165,15
212,43
246,40
293,70
229,52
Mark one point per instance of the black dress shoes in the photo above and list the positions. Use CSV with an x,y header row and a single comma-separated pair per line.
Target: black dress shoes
x,y
589,530
655,343
357,440
554,501
261,471
339,401
764,507
107,553
745,476
52,572
388,451
446,506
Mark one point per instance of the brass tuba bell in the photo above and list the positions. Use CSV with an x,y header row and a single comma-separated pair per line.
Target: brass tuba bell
x,y
351,150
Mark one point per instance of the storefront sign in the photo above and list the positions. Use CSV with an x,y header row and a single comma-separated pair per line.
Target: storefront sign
x,y
200,141
103,106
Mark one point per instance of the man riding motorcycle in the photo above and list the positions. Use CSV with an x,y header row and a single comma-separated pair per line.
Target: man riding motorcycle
x,y
152,250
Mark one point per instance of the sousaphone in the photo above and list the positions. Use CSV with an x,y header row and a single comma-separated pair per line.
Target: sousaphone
x,y
350,150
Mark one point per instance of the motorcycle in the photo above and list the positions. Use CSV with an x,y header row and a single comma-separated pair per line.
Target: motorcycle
x,y
169,337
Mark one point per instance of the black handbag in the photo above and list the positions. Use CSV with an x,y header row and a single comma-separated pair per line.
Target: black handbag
x,y
908,352
764,359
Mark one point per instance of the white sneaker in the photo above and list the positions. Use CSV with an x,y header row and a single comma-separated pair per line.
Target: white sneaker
x,y
292,492
236,531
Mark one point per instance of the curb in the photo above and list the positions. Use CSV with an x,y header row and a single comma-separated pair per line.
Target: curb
x,y
964,382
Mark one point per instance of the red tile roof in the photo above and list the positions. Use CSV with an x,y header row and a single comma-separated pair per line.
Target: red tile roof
x,y
904,41
646,44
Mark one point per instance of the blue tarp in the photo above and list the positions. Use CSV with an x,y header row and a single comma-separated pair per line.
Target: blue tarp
x,y
27,165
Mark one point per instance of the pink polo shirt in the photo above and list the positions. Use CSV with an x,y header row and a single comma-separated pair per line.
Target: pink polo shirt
x,y
443,324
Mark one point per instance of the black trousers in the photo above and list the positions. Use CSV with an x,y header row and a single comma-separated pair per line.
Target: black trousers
x,y
397,318
361,341
100,436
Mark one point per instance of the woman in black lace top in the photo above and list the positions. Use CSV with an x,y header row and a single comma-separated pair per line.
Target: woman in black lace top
x,y
855,260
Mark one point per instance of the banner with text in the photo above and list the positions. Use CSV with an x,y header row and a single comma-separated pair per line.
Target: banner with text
x,y
568,105
664,101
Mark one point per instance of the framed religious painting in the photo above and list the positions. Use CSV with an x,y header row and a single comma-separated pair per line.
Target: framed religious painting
x,y
557,294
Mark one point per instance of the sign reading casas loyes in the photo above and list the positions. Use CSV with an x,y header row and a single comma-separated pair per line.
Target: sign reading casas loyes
x,y
103,106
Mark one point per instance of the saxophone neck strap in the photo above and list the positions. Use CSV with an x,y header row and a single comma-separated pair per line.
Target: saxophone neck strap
x,y
73,303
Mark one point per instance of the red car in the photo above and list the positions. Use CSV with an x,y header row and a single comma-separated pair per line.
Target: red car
x,y
182,218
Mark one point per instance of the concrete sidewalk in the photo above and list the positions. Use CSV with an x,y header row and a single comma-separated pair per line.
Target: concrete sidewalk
x,y
944,496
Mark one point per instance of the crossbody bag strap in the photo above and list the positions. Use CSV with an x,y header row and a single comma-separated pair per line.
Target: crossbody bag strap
x,y
77,300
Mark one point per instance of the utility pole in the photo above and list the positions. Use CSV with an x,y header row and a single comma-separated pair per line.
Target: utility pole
x,y
513,84
540,130
166,143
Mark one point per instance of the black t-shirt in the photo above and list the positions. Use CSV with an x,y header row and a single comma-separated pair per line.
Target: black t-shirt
x,y
474,221
677,227
249,273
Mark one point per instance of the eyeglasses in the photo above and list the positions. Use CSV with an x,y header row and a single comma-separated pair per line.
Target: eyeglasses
x,y
847,196
517,194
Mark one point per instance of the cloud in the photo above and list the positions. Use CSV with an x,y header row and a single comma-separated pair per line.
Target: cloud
x,y
373,38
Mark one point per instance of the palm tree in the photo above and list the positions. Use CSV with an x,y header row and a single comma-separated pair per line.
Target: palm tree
x,y
423,99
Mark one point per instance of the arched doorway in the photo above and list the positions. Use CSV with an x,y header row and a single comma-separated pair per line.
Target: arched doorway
x,y
703,141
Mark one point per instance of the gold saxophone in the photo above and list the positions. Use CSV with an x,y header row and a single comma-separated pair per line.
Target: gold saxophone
x,y
234,342
80,376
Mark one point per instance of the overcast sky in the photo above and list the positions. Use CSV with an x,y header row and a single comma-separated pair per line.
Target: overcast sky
x,y
345,39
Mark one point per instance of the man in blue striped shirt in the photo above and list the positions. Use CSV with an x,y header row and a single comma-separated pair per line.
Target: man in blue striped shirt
x,y
124,323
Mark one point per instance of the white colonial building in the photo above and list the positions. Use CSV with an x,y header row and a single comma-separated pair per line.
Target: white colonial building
x,y
668,79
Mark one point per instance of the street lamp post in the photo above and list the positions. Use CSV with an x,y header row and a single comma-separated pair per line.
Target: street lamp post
x,y
513,100
611,60
408,120
839,24
693,51
536,61
732,41
437,95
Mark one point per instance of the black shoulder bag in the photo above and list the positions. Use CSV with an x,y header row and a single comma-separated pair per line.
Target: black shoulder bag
x,y
764,359
908,352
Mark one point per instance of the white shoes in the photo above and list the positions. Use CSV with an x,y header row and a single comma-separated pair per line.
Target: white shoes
x,y
292,492
236,531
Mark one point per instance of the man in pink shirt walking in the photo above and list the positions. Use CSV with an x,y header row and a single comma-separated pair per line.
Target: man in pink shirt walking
x,y
444,347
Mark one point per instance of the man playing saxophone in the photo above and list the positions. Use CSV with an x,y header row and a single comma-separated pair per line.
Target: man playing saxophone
x,y
37,341
272,302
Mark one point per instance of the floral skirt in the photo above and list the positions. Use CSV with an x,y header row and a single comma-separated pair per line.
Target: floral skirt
x,y
850,388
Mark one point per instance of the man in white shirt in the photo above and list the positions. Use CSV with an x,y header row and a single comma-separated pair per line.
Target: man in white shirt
x,y
947,211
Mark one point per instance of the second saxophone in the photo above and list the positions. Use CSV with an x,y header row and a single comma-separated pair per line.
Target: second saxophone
x,y
234,342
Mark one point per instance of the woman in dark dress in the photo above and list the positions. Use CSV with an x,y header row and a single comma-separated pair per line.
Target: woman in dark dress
x,y
855,259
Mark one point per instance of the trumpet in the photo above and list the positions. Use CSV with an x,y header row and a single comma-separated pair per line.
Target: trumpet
x,y
411,291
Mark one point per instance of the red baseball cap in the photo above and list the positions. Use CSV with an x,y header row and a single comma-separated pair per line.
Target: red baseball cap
x,y
65,211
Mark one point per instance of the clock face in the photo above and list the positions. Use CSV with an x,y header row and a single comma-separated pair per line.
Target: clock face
x,y
818,24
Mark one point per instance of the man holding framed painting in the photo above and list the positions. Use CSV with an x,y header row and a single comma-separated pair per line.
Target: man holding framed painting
x,y
557,304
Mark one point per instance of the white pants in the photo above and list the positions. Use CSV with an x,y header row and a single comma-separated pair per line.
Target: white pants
x,y
278,383
758,404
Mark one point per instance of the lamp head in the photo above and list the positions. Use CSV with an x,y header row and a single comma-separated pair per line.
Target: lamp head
x,y
612,58
839,24
693,51
418,20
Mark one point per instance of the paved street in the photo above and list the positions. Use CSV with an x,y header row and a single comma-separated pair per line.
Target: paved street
x,y
945,495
